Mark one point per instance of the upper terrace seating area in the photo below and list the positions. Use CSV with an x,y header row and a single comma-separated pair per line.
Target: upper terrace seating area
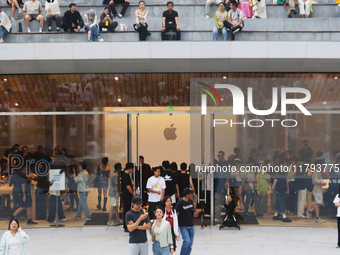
x,y
323,26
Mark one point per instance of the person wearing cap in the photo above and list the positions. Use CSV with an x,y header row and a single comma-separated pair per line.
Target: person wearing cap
x,y
91,26
106,21
137,224
186,213
127,190
306,152
5,26
72,20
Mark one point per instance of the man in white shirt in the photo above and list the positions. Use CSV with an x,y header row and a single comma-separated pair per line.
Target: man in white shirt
x,y
235,20
156,187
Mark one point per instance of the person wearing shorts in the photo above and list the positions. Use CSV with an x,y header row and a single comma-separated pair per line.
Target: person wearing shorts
x,y
114,194
318,197
15,4
25,198
32,11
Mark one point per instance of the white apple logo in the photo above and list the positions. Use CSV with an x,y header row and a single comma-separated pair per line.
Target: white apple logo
x,y
169,133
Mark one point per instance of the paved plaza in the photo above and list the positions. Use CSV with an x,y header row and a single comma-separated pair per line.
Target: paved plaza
x,y
250,240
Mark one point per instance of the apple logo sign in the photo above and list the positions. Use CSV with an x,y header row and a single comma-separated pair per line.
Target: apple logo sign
x,y
170,133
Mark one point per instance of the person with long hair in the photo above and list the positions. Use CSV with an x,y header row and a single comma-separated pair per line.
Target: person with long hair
x,y
170,215
13,240
102,182
161,235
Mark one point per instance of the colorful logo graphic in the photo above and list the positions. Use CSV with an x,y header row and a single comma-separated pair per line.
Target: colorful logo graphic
x,y
209,93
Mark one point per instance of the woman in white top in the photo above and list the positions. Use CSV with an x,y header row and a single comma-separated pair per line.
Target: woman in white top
x,y
141,21
161,235
259,9
13,240
170,215
53,13
91,26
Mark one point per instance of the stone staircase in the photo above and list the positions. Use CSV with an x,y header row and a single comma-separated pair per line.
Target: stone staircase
x,y
323,26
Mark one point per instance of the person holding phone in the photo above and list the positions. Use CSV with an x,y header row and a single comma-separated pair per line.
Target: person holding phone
x,y
137,224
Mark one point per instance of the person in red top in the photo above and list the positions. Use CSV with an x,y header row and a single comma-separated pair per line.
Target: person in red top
x,y
171,216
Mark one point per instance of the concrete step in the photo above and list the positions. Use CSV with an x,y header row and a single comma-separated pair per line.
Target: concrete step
x,y
151,2
280,24
198,11
198,24
186,36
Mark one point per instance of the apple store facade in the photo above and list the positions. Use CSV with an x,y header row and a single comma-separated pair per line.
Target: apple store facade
x,y
184,117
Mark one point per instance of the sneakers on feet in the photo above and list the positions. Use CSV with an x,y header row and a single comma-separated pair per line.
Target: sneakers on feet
x,y
20,10
86,219
309,215
236,30
302,217
70,209
77,218
50,222
104,29
278,217
120,16
100,39
63,220
319,220
110,223
286,220
2,41
207,17
31,222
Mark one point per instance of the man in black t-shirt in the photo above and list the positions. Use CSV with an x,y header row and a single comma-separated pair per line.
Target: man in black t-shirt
x,y
171,182
306,152
137,224
282,190
127,190
186,213
184,179
170,21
